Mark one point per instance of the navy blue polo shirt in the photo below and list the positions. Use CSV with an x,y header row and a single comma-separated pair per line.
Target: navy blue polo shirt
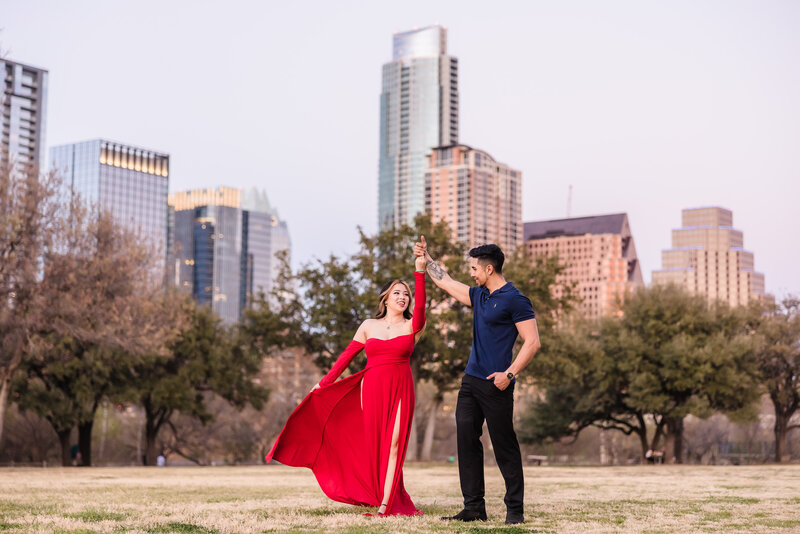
x,y
494,331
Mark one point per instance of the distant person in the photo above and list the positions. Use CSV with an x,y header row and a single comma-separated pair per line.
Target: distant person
x,y
161,461
353,434
75,455
500,313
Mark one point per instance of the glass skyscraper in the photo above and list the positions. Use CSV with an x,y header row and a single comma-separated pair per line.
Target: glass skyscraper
x,y
419,111
130,182
23,102
225,245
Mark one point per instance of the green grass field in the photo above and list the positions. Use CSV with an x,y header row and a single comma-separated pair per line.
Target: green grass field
x,y
281,499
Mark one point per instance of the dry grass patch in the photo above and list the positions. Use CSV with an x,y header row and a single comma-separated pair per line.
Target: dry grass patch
x,y
221,500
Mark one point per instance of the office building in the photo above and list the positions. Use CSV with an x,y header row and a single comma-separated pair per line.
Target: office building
x,y
225,246
707,258
23,102
480,198
129,181
418,111
599,254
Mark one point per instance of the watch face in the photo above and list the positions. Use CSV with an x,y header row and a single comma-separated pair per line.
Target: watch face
x,y
510,375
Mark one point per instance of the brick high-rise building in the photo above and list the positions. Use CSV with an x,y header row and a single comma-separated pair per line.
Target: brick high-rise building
x,y
707,258
480,198
599,254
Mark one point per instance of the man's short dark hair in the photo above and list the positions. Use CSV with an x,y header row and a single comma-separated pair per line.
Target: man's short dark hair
x,y
490,254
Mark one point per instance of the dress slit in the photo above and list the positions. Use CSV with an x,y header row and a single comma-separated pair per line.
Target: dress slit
x,y
394,444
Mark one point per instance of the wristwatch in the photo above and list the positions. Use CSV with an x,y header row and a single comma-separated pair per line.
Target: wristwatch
x,y
510,375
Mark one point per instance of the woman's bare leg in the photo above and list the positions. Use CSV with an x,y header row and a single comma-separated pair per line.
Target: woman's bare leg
x,y
392,464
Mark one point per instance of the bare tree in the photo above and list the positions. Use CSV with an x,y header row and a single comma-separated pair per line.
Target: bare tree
x,y
29,208
101,310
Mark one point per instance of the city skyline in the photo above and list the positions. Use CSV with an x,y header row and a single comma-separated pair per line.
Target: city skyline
x,y
644,109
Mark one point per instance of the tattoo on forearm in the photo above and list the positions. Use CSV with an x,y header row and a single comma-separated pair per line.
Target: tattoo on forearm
x,y
435,270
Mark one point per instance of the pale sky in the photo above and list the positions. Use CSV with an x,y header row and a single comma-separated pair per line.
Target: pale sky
x,y
643,107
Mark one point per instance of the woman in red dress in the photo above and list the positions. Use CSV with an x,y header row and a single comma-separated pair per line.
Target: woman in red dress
x,y
353,433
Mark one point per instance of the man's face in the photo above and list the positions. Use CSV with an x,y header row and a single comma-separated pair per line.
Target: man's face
x,y
478,272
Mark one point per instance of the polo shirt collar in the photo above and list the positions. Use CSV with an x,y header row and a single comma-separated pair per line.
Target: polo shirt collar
x,y
508,286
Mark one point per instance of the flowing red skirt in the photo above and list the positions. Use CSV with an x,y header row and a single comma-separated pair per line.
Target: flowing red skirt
x,y
343,432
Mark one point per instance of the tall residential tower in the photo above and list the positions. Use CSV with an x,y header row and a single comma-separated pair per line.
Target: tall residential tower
x,y
23,102
419,111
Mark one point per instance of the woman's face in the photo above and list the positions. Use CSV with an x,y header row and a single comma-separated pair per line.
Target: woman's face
x,y
398,298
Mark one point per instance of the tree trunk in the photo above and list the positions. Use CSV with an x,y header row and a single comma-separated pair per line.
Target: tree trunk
x,y
85,442
66,453
150,451
780,437
411,451
151,428
413,435
678,440
604,456
674,445
642,433
430,428
153,421
5,381
658,434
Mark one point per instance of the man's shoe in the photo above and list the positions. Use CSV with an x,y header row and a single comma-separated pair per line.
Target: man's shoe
x,y
466,515
514,518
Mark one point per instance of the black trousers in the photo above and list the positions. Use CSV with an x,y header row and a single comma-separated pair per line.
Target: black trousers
x,y
480,400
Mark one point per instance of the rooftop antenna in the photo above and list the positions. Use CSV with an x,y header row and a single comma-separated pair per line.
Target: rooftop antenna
x,y
569,202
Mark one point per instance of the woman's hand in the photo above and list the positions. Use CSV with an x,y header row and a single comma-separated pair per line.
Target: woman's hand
x,y
420,263
315,387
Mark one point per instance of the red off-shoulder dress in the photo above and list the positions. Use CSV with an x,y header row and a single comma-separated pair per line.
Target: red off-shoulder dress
x,y
343,430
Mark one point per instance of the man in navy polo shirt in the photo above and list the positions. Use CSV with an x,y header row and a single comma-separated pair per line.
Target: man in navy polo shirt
x,y
500,313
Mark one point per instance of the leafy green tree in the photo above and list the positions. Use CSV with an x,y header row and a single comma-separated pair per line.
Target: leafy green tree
x,y
205,358
668,356
778,355
99,292
51,392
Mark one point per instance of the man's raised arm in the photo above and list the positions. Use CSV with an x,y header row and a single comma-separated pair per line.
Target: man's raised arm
x,y
455,289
